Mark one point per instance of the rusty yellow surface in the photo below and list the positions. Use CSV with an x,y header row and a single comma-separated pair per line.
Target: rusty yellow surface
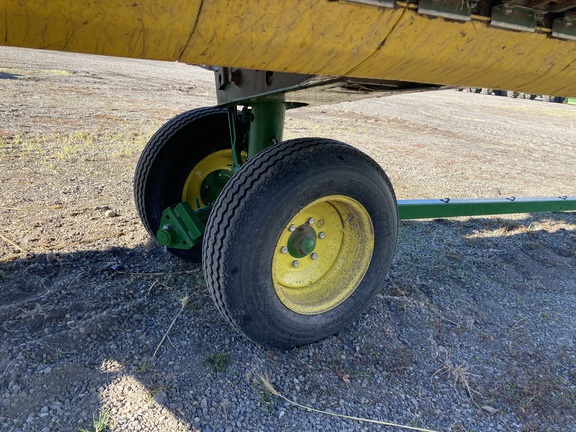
x,y
318,37
142,29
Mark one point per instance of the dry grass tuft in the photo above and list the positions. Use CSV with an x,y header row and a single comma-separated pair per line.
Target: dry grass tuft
x,y
272,390
539,393
459,375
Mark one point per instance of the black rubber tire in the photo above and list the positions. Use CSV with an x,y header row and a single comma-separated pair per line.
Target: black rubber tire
x,y
167,160
251,212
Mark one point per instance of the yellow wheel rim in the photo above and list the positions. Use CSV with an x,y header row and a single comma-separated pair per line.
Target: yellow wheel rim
x,y
322,254
207,178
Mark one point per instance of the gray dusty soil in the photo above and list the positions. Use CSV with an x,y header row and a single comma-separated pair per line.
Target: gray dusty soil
x,y
473,330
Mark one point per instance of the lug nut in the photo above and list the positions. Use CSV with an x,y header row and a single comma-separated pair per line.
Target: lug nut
x,y
314,256
311,221
284,249
322,234
292,228
295,263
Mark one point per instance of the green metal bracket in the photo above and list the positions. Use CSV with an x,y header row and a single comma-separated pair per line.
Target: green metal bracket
x,y
181,227
451,9
514,17
564,28
443,208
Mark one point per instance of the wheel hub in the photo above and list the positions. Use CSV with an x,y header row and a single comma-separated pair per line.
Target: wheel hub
x,y
322,254
213,184
207,179
302,241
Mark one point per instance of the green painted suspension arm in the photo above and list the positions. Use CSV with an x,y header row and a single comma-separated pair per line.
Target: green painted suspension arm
x,y
267,125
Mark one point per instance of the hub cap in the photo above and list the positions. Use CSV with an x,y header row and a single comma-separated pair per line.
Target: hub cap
x,y
332,240
207,179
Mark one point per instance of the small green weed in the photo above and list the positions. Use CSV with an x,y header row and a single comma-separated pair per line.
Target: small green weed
x,y
264,395
218,362
100,423
266,399
144,366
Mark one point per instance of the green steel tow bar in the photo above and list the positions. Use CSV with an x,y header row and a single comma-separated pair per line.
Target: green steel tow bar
x,y
446,208
181,223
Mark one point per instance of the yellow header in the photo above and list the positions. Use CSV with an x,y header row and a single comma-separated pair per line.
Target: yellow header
x,y
321,38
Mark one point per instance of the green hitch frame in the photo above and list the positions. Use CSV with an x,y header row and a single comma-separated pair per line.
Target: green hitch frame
x,y
446,208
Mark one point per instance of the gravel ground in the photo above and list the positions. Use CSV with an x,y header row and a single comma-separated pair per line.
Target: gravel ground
x,y
473,330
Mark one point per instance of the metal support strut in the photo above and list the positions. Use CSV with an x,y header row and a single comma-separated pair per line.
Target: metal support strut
x,y
266,125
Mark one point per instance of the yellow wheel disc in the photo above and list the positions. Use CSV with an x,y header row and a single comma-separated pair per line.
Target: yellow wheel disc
x,y
218,163
322,254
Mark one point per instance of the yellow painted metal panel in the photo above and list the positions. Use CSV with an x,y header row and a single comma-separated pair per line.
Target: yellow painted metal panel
x,y
473,54
142,29
318,37
312,37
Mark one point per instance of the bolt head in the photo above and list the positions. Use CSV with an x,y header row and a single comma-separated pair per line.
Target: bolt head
x,y
322,234
284,249
292,228
311,221
295,263
166,235
314,256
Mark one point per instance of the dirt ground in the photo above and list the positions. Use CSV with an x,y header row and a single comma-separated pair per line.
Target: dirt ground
x,y
476,323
